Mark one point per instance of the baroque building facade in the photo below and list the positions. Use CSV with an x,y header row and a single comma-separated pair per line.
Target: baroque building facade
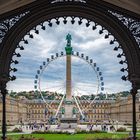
x,y
121,110
25,111
16,111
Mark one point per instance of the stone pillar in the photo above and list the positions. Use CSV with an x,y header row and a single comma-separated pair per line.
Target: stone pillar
x,y
134,129
68,101
3,92
68,78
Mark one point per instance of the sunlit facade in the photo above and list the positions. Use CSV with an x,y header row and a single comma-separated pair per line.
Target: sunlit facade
x,y
16,111
121,110
25,111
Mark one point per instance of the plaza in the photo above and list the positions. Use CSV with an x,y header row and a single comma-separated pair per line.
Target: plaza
x,y
24,113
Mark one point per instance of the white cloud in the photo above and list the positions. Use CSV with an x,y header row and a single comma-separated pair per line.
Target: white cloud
x,y
84,40
21,84
113,86
94,45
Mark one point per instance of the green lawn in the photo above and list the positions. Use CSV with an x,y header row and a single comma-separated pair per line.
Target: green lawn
x,y
73,137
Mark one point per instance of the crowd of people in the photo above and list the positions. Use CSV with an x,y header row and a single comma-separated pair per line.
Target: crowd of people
x,y
45,127
34,127
102,127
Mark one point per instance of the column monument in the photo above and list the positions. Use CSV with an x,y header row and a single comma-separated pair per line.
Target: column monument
x,y
68,101
68,118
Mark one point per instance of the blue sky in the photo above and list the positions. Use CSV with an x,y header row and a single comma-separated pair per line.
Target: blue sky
x,y
84,40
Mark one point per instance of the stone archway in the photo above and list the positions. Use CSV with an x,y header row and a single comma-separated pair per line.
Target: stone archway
x,y
38,12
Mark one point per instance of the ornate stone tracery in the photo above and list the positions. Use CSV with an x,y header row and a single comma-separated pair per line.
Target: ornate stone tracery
x,y
132,24
7,24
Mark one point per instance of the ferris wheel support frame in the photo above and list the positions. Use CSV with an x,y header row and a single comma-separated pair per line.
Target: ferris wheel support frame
x,y
87,60
78,107
59,106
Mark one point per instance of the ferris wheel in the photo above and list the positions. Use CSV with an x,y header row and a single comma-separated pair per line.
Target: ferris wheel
x,y
52,89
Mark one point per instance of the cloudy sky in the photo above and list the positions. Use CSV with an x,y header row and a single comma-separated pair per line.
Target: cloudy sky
x,y
84,80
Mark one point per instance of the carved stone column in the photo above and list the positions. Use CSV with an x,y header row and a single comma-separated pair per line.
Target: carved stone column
x,y
3,92
133,93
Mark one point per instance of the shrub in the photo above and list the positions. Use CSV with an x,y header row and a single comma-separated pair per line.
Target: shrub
x,y
66,132
23,138
8,139
38,132
17,130
31,138
121,129
90,132
81,131
50,132
97,131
